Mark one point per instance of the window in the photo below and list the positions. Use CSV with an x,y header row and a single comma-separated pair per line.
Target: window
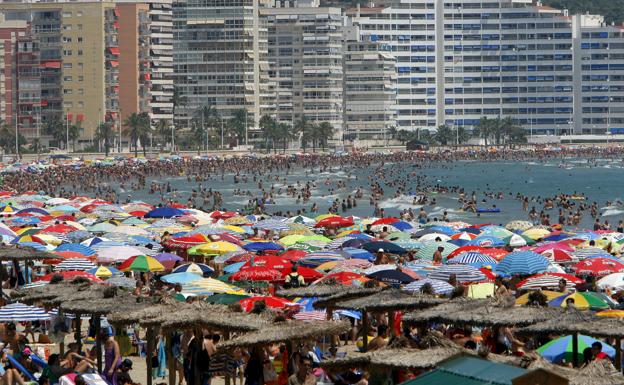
x,y
67,65
80,91
67,52
67,27
68,104
67,91
67,39
80,65
79,26
79,13
67,78
80,78
79,39
79,52
67,14
80,104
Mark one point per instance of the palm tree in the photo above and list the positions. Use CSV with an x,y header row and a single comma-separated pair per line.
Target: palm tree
x,y
104,132
206,116
137,128
444,135
163,130
286,133
267,127
302,127
74,133
7,138
485,128
55,128
238,124
325,131
199,134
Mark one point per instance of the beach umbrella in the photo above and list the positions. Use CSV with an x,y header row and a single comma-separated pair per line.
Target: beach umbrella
x,y
536,233
561,349
359,254
518,240
464,236
388,247
257,273
19,312
582,301
522,263
301,220
214,248
117,253
5,230
334,222
309,275
613,313
598,267
141,263
233,268
496,231
539,281
518,225
270,261
473,258
207,286
76,247
262,246
356,242
550,295
104,271
225,298
558,256
613,281
393,277
272,225
164,212
195,268
426,252
69,275
438,286
168,260
487,241
344,277
271,302
181,278
463,273
437,237
75,264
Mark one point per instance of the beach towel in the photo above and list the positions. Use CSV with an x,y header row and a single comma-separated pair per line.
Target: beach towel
x,y
162,360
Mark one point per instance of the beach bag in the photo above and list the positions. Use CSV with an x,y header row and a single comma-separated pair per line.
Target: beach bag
x,y
268,372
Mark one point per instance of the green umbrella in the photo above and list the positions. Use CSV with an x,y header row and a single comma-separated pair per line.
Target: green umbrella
x,y
225,298
426,252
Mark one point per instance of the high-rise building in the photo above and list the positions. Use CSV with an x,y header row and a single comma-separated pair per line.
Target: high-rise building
x,y
220,59
305,61
78,59
460,61
369,94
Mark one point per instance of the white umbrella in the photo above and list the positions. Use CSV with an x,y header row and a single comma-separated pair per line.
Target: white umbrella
x,y
75,264
117,253
612,281
431,237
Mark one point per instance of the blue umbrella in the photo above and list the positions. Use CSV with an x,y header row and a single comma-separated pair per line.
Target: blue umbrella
x,y
164,212
33,210
556,237
442,229
233,268
355,242
272,225
486,241
181,278
113,271
473,258
438,286
262,246
522,263
349,313
77,236
388,247
76,247
195,268
557,350
26,220
393,277
19,312
359,254
94,241
402,225
459,242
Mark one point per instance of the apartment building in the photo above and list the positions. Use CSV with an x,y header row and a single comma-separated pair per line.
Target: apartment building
x,y
220,59
369,84
306,62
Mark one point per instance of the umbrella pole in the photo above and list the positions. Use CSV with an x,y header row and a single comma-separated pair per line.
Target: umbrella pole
x,y
78,335
150,352
226,336
364,331
98,342
618,354
171,360
575,350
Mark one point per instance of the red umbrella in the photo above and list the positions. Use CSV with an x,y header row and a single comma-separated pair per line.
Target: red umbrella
x,y
177,206
493,252
335,222
226,237
293,255
223,214
309,275
138,213
90,207
598,267
60,228
557,255
243,257
70,274
557,276
488,273
385,221
273,302
344,277
257,273
271,262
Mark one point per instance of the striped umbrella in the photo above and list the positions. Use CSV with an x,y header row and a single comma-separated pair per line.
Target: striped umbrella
x,y
548,280
582,301
589,252
313,315
463,273
104,271
207,286
19,312
522,263
75,264
142,263
271,225
438,286
473,258
196,268
426,252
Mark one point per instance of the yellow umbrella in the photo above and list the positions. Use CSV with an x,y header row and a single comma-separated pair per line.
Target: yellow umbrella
x,y
536,233
327,266
236,229
323,216
291,239
611,313
481,290
238,220
214,248
103,272
209,285
345,233
50,239
550,295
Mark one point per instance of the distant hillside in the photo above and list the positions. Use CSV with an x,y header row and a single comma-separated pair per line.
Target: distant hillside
x,y
612,10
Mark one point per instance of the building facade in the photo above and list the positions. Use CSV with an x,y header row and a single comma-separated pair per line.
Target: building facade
x,y
220,59
305,61
369,84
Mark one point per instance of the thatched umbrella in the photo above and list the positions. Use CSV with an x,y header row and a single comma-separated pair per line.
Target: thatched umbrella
x,y
322,291
387,300
18,254
350,292
396,358
287,332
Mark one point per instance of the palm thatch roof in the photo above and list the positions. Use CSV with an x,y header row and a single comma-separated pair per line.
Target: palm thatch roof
x,y
389,300
287,331
395,358
350,293
20,253
600,372
483,312
324,291
575,321
50,293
